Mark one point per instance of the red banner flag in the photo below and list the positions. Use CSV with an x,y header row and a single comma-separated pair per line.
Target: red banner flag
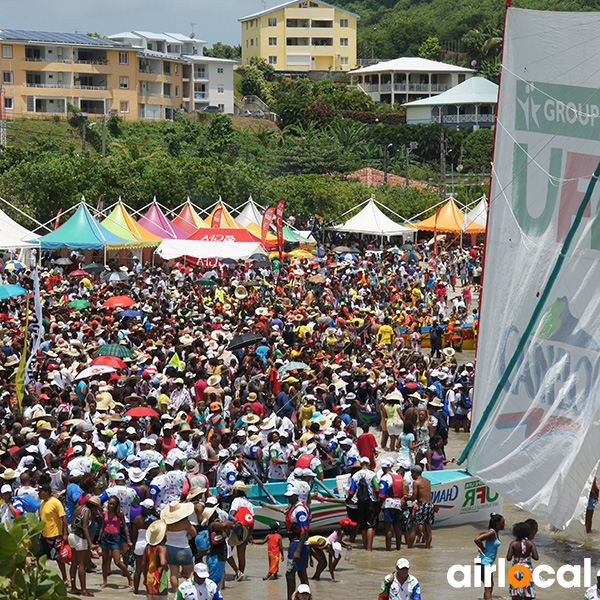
x,y
266,223
57,219
437,214
216,218
279,223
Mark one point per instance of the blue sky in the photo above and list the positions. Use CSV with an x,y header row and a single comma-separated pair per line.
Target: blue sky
x,y
215,21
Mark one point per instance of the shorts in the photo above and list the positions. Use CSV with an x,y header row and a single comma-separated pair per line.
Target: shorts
x,y
179,557
216,568
273,564
591,505
140,546
110,541
460,417
78,544
424,514
367,515
391,515
302,563
50,547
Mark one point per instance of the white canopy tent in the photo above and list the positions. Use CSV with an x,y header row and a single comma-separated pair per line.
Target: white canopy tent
x,y
478,214
250,213
13,235
170,249
371,220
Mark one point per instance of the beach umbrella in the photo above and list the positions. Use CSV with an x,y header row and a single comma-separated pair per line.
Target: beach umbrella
x,y
94,268
79,304
78,273
262,264
94,371
354,250
117,350
13,265
273,255
206,281
258,256
63,261
395,250
411,256
349,257
11,291
118,302
317,279
244,340
228,261
115,276
108,361
341,249
293,366
407,247
141,411
130,313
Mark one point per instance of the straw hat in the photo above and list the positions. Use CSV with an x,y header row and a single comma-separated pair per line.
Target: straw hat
x,y
156,532
436,403
195,491
250,418
395,395
270,422
207,513
324,422
176,511
240,486
9,474
449,352
186,339
262,311
214,380
104,401
94,501
240,292
238,536
11,362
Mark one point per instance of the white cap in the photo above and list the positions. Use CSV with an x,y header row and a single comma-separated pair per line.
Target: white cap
x,y
5,489
308,473
131,430
77,450
147,503
404,464
387,462
75,473
153,465
120,476
241,433
212,501
365,459
292,491
253,428
402,564
303,588
223,453
200,570
144,440
151,441
132,458
100,446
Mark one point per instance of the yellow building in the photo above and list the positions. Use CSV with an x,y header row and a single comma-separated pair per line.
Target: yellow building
x,y
303,35
43,72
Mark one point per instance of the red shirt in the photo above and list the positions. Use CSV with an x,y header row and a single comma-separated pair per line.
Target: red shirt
x,y
366,444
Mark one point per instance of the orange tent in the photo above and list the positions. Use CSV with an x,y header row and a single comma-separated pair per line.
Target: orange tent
x,y
450,219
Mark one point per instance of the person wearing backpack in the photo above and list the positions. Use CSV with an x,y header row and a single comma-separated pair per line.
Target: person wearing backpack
x,y
55,532
461,405
364,493
400,585
438,419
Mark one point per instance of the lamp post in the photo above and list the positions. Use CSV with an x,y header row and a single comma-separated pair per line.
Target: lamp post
x,y
386,145
412,146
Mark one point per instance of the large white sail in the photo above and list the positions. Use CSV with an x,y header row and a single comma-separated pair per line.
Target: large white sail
x,y
536,438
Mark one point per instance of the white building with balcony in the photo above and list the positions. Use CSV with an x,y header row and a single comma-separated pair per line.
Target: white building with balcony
x,y
469,104
206,81
408,78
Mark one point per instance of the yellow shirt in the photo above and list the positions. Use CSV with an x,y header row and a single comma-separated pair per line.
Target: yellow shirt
x,y
52,512
385,334
163,399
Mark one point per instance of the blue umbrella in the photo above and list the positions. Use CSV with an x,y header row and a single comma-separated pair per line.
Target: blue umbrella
x,y
349,257
11,291
130,313
13,264
321,252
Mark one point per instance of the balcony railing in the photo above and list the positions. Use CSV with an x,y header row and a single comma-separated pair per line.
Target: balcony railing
x,y
403,87
200,95
149,93
149,70
41,59
48,85
79,86
200,75
457,119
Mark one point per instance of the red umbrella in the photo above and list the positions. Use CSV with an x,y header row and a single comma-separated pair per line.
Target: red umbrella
x,y
109,361
79,273
141,411
118,302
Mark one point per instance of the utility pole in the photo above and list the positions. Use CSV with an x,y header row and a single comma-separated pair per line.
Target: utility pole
x,y
408,149
442,158
83,128
385,159
103,136
2,122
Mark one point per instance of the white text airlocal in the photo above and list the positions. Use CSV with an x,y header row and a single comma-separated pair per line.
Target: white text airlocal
x,y
542,576
556,111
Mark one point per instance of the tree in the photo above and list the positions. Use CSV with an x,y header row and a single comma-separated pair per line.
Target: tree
x,y
254,84
220,132
220,50
264,67
430,49
477,150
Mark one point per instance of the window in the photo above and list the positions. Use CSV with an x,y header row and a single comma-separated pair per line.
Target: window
x,y
343,41
123,58
7,77
343,60
343,22
124,106
176,69
272,41
220,70
124,83
272,60
252,42
220,89
176,91
6,51
8,103
251,23
221,107
272,21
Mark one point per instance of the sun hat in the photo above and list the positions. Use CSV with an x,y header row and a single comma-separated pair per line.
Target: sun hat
x,y
136,475
94,501
241,486
208,511
213,380
238,536
192,466
436,403
214,407
250,418
156,532
176,511
195,491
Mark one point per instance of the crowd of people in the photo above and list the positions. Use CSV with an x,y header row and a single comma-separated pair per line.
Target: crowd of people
x,y
144,429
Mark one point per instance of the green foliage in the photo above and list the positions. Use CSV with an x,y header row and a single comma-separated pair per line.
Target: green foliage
x,y
264,67
254,84
430,49
220,132
220,50
22,577
477,151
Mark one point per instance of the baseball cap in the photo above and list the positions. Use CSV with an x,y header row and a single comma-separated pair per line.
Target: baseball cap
x,y
153,465
201,570
100,446
365,459
308,473
402,564
303,588
131,431
147,503
120,476
404,464
292,491
5,489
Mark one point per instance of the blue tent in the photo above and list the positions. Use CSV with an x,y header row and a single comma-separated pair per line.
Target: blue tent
x,y
82,231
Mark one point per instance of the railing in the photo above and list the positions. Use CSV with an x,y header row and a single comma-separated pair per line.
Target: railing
x,y
48,85
41,59
149,70
200,75
90,87
92,61
254,100
148,93
440,87
200,95
457,119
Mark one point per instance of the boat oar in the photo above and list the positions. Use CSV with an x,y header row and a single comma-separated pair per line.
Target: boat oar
x,y
261,485
329,494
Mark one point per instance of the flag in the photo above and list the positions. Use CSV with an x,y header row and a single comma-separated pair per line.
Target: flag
x,y
437,214
37,328
279,223
176,362
20,376
99,200
216,218
465,224
57,219
266,222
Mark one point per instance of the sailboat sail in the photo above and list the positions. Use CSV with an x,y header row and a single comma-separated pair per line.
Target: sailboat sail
x,y
537,391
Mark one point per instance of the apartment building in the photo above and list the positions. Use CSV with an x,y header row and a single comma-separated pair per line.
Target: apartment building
x,y
206,81
301,36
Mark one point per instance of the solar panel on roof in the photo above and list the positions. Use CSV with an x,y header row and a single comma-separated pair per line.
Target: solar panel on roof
x,y
52,36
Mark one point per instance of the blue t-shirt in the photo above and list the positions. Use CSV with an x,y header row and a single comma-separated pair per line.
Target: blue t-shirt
x,y
73,493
